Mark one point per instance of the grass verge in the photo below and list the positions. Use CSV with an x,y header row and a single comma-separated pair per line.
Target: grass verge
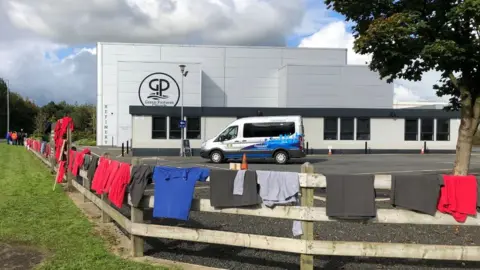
x,y
33,214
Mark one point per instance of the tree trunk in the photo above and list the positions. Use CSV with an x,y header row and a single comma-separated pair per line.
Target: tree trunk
x,y
468,126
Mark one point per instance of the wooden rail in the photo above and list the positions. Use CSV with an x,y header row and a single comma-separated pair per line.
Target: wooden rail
x,y
307,213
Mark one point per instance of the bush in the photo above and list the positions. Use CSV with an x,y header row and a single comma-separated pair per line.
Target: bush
x,y
79,135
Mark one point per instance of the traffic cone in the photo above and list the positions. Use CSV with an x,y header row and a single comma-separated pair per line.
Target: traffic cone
x,y
244,163
329,152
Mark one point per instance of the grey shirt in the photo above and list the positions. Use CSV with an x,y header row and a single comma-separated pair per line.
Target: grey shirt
x,y
221,189
416,192
140,177
351,196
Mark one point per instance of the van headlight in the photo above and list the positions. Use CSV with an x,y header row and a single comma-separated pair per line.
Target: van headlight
x,y
203,144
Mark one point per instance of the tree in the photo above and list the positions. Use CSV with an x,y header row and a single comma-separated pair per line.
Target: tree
x,y
22,111
408,38
40,121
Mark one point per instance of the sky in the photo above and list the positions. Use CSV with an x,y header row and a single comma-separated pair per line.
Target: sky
x,y
47,47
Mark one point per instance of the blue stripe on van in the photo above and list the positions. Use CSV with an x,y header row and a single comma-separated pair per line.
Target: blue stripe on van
x,y
249,155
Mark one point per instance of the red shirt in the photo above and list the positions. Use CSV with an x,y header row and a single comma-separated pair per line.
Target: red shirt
x,y
98,177
119,185
79,161
61,172
458,196
110,175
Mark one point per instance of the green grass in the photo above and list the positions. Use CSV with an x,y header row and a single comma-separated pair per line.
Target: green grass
x,y
86,142
35,215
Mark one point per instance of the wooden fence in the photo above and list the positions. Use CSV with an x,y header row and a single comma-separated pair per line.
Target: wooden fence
x,y
307,246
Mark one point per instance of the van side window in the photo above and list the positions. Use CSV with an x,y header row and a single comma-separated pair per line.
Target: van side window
x,y
269,129
228,134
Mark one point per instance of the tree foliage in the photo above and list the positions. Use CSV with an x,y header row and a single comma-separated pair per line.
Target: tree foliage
x,y
32,118
22,111
407,38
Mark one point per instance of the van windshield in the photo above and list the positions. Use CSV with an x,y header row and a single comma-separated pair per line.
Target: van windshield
x,y
228,134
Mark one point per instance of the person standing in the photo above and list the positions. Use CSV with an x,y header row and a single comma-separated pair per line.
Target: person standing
x,y
9,137
14,138
20,137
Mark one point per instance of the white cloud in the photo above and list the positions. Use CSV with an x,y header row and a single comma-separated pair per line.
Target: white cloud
x,y
159,21
335,35
32,30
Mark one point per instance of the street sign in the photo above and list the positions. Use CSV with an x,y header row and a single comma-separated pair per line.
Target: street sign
x,y
182,123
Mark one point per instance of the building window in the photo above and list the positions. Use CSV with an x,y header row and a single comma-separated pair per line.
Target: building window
x,y
267,130
330,129
426,131
363,129
443,129
159,127
346,128
411,130
175,131
194,128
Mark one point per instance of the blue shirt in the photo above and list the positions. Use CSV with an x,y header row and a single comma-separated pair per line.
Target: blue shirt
x,y
174,189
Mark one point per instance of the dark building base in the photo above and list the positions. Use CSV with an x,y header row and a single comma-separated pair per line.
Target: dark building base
x,y
149,152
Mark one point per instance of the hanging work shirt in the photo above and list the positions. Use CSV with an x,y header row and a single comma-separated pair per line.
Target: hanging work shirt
x,y
174,189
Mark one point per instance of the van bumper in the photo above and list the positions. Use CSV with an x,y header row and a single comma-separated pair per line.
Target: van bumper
x,y
297,154
204,153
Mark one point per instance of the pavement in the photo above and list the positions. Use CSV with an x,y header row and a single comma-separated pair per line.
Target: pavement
x,y
242,258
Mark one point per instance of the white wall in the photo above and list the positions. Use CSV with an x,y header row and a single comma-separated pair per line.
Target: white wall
x,y
334,86
232,76
131,73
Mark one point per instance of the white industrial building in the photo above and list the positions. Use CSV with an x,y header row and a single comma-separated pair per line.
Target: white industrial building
x,y
141,91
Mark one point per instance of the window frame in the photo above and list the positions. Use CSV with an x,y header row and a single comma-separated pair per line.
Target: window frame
x,y
199,130
405,132
358,133
328,131
165,130
351,133
437,132
175,129
422,132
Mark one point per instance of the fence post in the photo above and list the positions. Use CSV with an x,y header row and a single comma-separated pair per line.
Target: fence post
x,y
68,148
105,217
136,216
306,261
127,146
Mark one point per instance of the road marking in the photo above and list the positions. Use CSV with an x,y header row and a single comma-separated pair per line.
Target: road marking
x,y
213,167
202,187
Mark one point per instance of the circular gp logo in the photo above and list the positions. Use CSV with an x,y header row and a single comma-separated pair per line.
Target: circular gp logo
x,y
159,89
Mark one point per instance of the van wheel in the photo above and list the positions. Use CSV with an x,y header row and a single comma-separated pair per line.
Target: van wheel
x,y
216,156
281,157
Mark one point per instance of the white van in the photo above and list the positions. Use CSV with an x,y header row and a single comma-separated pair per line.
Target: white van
x,y
278,137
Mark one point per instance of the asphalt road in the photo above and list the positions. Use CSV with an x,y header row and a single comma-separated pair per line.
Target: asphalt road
x,y
242,258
